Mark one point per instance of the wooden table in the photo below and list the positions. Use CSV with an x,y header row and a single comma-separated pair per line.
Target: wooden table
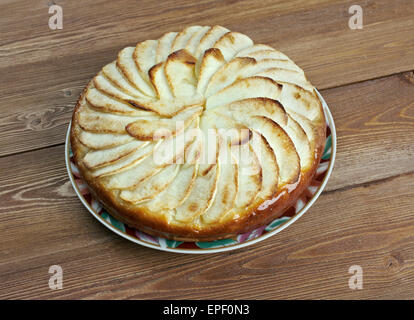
x,y
365,217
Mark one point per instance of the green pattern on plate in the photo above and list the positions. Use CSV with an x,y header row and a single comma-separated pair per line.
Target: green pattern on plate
x,y
215,244
328,149
113,221
276,223
173,243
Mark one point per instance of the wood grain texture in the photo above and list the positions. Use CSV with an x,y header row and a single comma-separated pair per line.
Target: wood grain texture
x,y
365,218
375,129
43,71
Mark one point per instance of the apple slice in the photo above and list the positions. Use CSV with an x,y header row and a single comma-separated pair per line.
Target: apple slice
x,y
314,132
98,122
195,39
104,103
282,64
268,54
162,107
250,175
134,158
183,37
254,48
133,176
144,129
227,187
144,56
169,151
286,155
231,43
231,131
127,66
164,46
289,76
166,108
243,67
244,109
160,82
179,70
274,55
98,141
306,103
210,140
152,186
111,72
268,164
175,193
103,84
209,39
201,197
99,158
229,73
245,88
210,63
193,152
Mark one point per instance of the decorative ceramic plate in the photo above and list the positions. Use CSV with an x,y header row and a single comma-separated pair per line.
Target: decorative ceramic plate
x,y
293,213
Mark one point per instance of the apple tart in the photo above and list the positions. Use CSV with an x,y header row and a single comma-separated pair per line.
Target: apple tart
x,y
199,135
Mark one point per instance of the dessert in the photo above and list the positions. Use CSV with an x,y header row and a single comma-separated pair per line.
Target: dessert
x,y
199,135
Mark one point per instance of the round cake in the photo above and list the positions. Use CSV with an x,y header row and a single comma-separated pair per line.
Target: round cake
x,y
199,135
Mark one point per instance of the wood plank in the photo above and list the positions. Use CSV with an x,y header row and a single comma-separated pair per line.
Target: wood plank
x,y
43,71
42,223
375,128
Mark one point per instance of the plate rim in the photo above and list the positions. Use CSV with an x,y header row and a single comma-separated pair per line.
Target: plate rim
x,y
235,246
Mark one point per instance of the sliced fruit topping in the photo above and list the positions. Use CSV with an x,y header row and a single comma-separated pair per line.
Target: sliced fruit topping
x,y
249,173
103,84
98,158
169,151
179,70
201,197
164,46
125,62
227,186
210,63
245,88
183,37
289,76
228,73
104,103
301,101
144,56
103,140
177,192
231,43
152,186
254,48
160,82
111,72
209,39
286,155
260,53
99,122
134,158
195,39
145,129
268,164
244,109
